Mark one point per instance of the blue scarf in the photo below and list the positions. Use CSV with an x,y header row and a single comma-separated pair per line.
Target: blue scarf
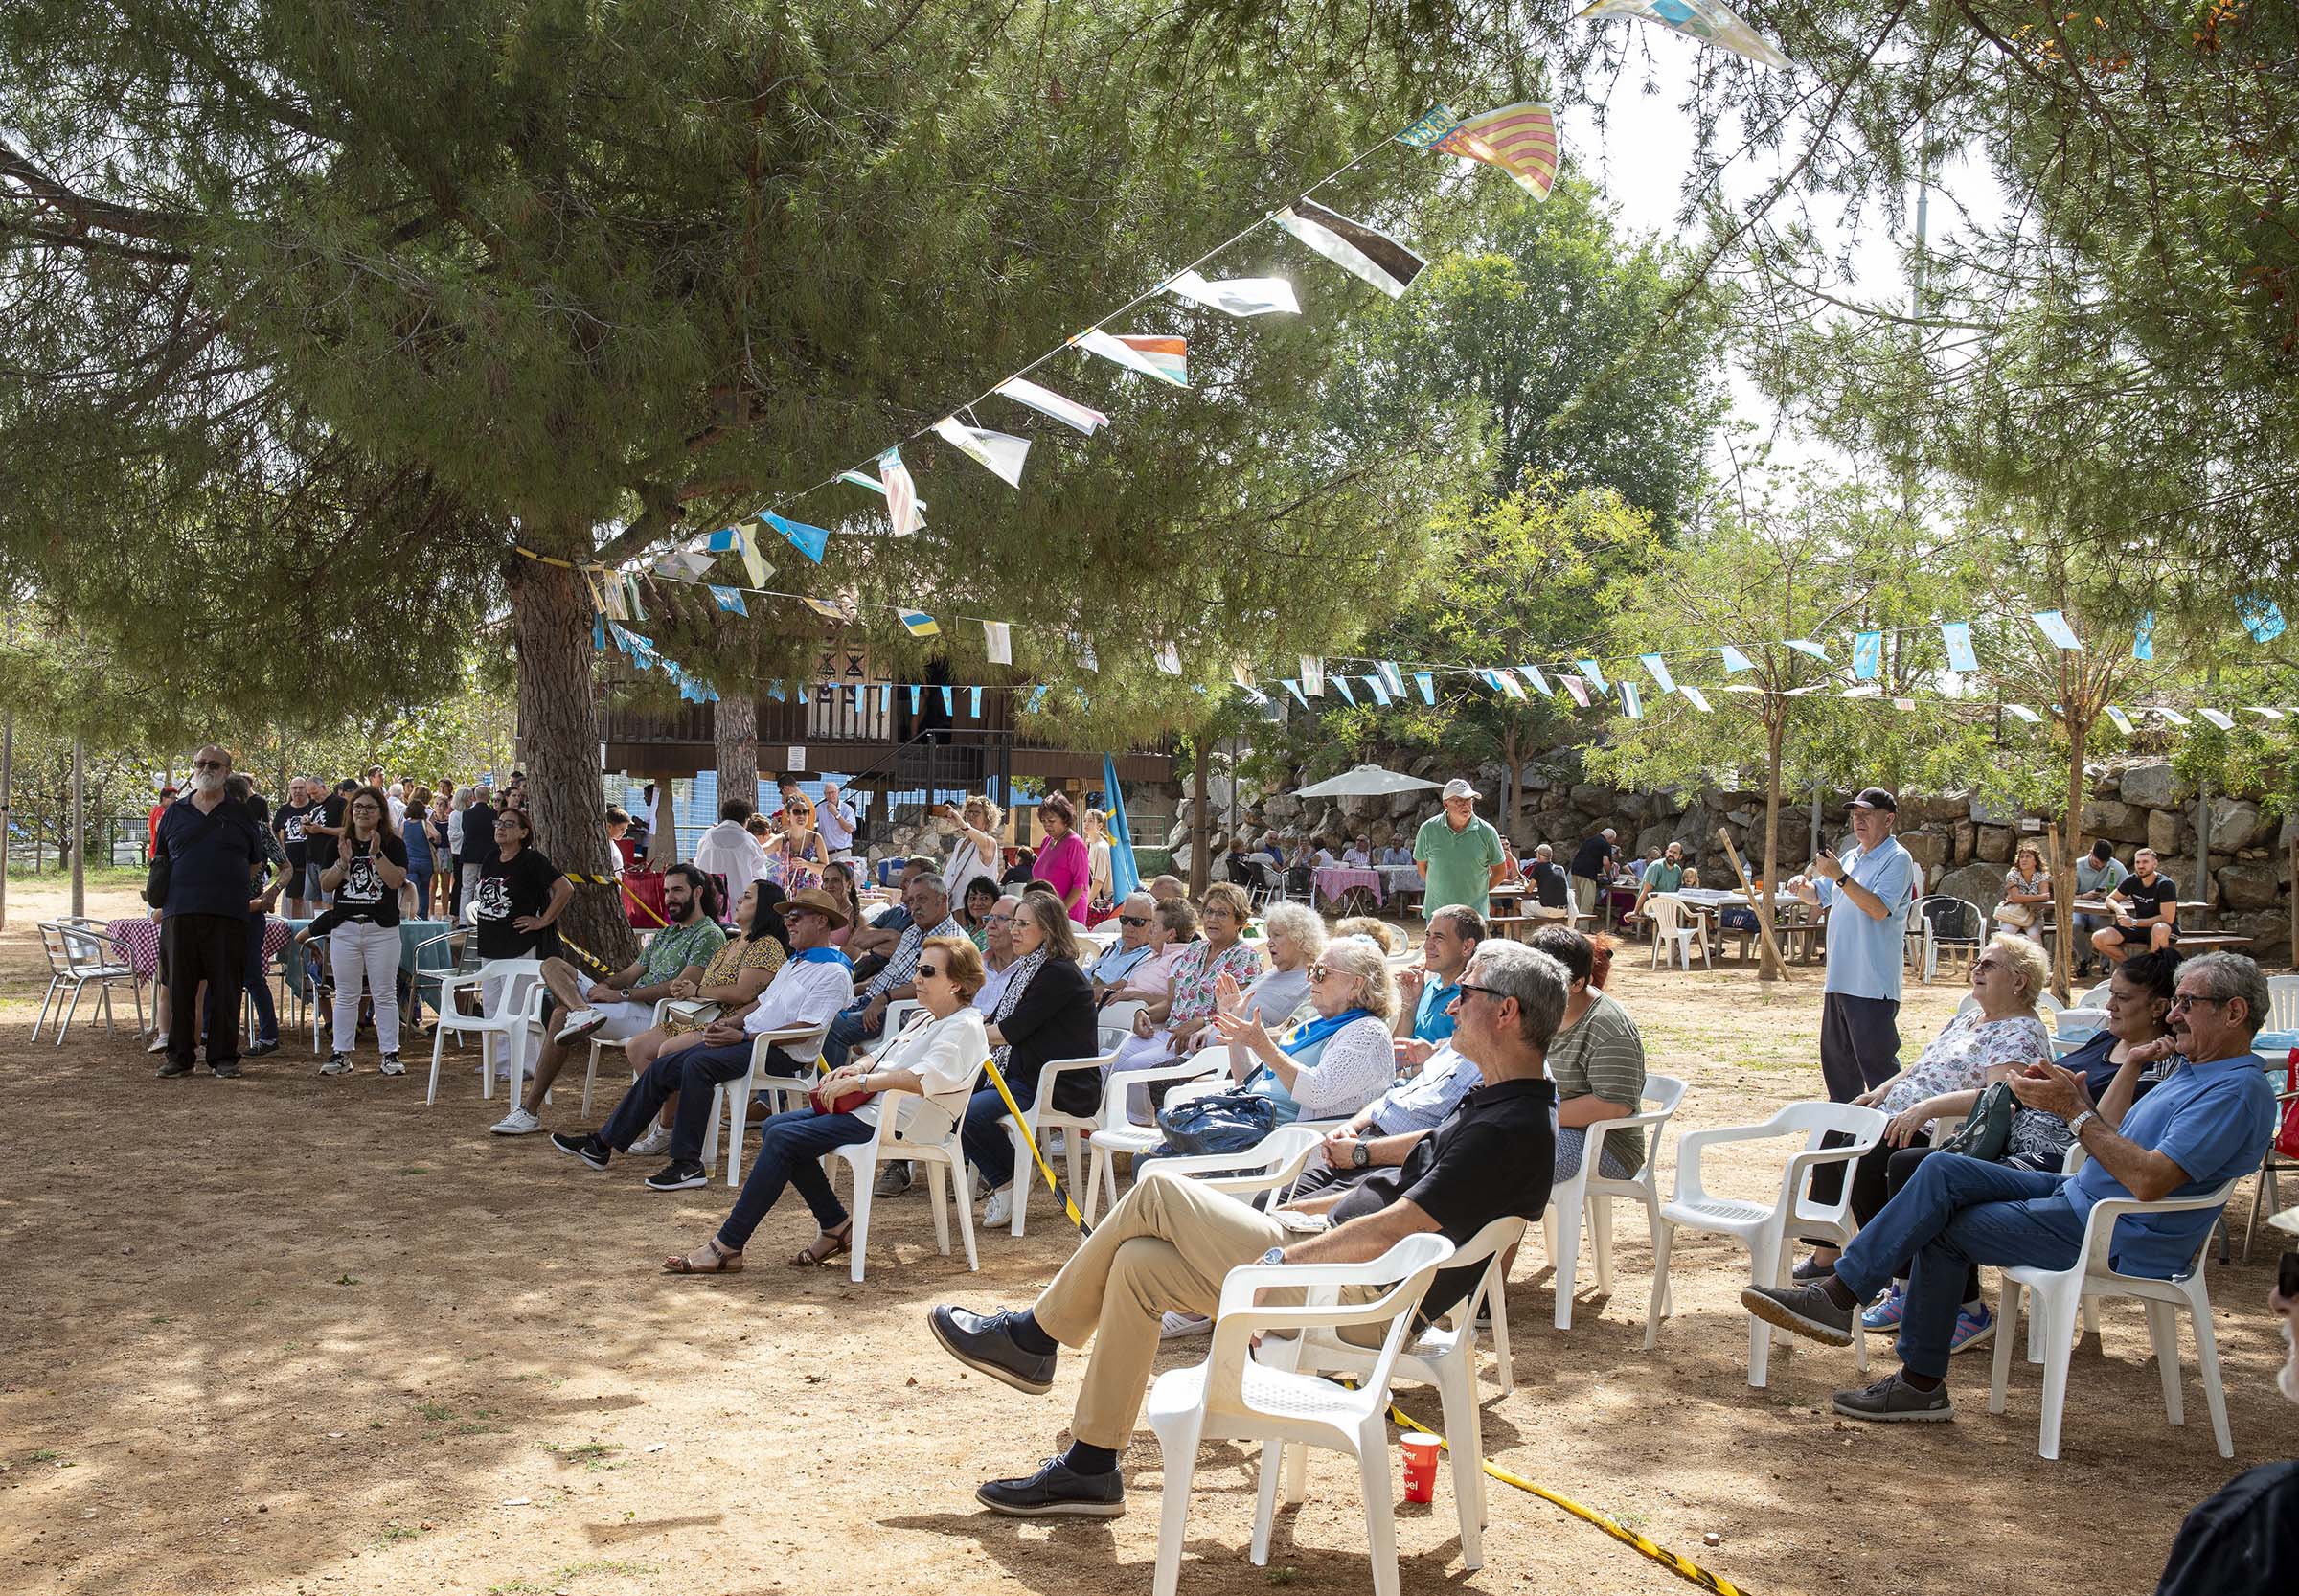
x,y
1303,1044
823,956
1311,1033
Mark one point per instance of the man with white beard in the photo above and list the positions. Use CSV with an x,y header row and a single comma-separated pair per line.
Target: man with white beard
x,y
2244,1541
212,849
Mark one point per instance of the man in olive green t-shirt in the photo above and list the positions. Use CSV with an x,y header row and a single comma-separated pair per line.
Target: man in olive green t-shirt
x,y
1460,856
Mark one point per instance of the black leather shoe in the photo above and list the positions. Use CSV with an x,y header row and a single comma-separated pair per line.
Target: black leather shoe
x,y
984,1341
225,1071
1057,1491
170,1070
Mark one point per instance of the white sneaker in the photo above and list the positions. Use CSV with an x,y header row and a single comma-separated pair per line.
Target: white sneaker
x,y
1001,1208
518,1123
338,1064
391,1065
159,1043
581,1023
653,1145
1180,1327
1056,1145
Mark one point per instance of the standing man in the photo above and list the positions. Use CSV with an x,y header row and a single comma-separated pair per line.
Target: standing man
x,y
288,822
213,850
835,819
478,840
1459,856
1592,868
1867,894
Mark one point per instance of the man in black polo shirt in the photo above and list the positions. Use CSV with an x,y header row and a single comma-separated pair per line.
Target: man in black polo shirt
x,y
2146,914
212,849
1169,1244
1592,867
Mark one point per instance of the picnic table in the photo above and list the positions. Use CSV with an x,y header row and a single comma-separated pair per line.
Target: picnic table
x,y
2187,939
137,940
1335,882
1709,902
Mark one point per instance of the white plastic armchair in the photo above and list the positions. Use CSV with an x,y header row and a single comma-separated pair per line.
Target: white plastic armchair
x,y
1114,1023
1673,941
518,1014
1041,1118
1230,1397
913,1128
1591,1193
1766,1230
783,1091
1118,1134
2061,1293
1271,1164
601,1040
1443,1356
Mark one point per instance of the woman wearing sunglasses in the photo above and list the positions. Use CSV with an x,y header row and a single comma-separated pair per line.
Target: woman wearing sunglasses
x,y
1327,1067
935,1059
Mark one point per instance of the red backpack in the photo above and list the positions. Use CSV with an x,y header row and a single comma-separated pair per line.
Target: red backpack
x,y
2287,1135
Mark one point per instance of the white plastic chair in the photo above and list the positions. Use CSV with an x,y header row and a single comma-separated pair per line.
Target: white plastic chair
x,y
1765,1231
2061,1294
1114,1024
2073,1027
518,1012
1272,1164
1041,1120
2047,1007
601,1040
1230,1397
1118,1134
2283,1003
910,1127
1672,940
731,1100
79,957
1570,1199
1443,1356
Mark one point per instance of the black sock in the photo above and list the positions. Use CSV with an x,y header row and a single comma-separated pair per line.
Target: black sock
x,y
1838,1293
1915,1381
1023,1327
1086,1459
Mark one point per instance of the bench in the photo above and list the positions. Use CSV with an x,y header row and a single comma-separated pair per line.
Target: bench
x,y
2206,941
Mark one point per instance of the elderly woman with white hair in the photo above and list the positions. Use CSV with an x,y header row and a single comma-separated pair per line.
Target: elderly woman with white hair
x,y
1329,1066
1294,934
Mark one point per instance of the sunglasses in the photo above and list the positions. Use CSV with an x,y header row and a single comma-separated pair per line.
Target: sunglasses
x,y
929,973
1134,919
210,764
1495,993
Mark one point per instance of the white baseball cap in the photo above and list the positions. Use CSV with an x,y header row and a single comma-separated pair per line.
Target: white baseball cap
x,y
1459,788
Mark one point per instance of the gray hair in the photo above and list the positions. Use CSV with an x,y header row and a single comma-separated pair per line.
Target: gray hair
x,y
1542,850
1299,922
1534,978
2232,976
1142,893
932,883
1365,959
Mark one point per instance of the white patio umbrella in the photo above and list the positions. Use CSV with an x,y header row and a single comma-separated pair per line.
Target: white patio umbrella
x,y
1365,781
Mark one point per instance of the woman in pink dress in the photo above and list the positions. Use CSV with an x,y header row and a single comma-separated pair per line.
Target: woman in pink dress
x,y
1063,862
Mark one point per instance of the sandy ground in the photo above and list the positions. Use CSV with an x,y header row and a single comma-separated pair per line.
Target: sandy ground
x,y
296,1334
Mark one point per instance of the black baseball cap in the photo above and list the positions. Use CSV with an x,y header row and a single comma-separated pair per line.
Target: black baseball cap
x,y
1876,798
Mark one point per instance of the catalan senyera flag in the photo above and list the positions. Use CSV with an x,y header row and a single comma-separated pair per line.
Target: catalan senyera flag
x,y
1519,139
1151,354
901,494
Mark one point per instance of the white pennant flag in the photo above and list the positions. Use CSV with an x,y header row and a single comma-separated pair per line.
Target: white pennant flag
x,y
1047,402
1152,355
2024,713
1312,676
1239,296
1168,660
1000,453
1694,696
1363,252
2218,718
1242,676
997,639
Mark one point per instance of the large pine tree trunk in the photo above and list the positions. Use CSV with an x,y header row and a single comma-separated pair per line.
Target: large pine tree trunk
x,y
552,629
1769,968
735,730
1201,830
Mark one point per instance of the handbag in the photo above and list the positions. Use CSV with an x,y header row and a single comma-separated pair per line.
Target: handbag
x,y
845,1104
2016,915
162,870
1987,1130
1224,1122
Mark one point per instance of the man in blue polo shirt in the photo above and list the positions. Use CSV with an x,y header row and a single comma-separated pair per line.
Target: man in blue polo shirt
x,y
1867,893
2207,1123
1428,988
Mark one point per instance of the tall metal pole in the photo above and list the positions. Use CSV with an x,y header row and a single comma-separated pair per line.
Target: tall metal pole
x,y
79,829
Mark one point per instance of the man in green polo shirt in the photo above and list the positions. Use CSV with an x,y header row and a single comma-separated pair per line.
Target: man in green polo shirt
x,y
1461,858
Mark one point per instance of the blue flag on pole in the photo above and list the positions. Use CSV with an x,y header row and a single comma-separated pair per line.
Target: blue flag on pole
x,y
1124,875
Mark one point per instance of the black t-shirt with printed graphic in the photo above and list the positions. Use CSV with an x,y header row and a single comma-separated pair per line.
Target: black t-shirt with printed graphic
x,y
509,891
363,896
292,818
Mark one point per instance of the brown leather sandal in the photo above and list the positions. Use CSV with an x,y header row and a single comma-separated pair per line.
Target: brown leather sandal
x,y
710,1259
824,1247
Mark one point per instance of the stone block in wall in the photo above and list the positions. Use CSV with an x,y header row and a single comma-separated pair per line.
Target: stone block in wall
x,y
1963,841
2116,820
1975,883
2167,832
1592,800
1927,847
2247,884
2235,821
1654,836
1994,844
1932,810
2152,783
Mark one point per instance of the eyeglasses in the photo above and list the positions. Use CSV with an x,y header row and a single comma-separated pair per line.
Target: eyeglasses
x,y
211,764
2188,1000
1134,919
929,973
1465,987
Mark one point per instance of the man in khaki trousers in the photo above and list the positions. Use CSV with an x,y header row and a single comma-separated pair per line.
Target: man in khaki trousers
x,y
1170,1242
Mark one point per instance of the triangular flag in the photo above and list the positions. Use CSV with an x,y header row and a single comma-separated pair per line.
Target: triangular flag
x,y
722,541
612,600
1047,402
916,692
2172,717
1293,687
1381,689
1741,687
1658,668
1694,696
730,600
638,610
998,641
806,539
950,701
1426,681
1630,702
2264,711
1520,139
918,624
1239,296
1590,674
1578,688
1085,653
2123,721
754,564
2143,636
2260,616
973,703
1312,676
1168,660
1342,682
2024,713
1506,683
1705,20
598,632
1537,682
858,690
2225,722
1957,635
1241,675
901,494
1806,645
878,487
1151,354
1000,453
2053,626
1735,660
1363,252
1037,696
1866,690
827,610
1867,655
682,564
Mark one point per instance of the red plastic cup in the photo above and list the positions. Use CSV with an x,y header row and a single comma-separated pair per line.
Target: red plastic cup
x,y
1421,1468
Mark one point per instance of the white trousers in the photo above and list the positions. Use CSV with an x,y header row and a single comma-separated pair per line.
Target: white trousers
x,y
366,961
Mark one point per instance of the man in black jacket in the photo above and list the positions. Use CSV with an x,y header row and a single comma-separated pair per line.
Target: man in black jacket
x,y
212,849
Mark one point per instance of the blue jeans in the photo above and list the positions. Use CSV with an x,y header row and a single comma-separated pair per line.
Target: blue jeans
x,y
1955,1213
259,987
696,1074
847,1033
989,1146
791,1149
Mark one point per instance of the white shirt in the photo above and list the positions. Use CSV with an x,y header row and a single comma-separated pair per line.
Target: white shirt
x,y
945,1055
727,850
643,808
993,987
399,811
804,992
1356,857
455,831
836,822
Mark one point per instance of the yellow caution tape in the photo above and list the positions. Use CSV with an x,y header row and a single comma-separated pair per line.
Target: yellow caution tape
x,y
1061,1195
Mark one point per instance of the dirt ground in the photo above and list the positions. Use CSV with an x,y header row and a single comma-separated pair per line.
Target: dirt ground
x,y
295,1334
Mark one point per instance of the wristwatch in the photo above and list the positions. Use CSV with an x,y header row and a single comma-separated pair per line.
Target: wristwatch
x,y
1275,1255
1361,1154
2075,1127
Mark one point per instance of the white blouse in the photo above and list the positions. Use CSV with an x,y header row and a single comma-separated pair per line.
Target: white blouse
x,y
1359,1064
945,1054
